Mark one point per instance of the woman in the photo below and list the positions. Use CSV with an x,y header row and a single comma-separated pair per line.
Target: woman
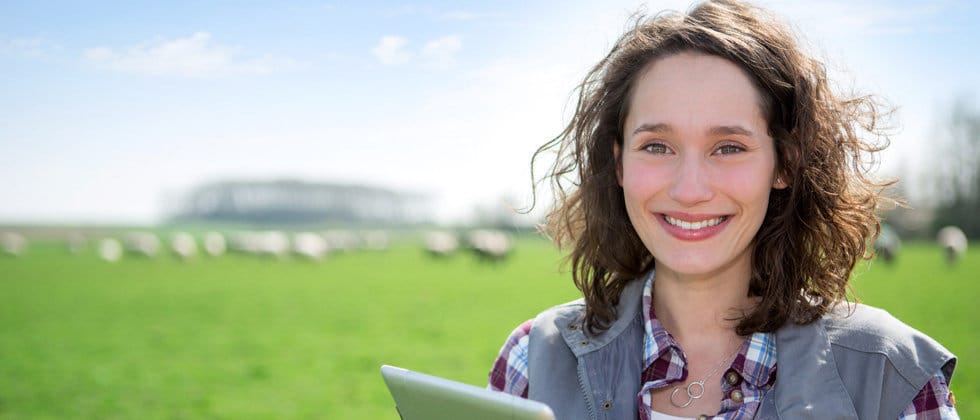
x,y
720,205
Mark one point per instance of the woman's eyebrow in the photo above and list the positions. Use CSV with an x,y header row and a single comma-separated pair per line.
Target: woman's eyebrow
x,y
729,130
721,130
653,128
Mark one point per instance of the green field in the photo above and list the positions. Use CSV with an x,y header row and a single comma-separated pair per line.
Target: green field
x,y
243,337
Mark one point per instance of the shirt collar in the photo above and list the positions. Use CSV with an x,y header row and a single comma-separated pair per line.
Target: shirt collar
x,y
755,362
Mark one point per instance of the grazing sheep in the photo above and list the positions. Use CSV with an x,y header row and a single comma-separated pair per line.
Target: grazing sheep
x,y
110,250
273,243
13,243
953,242
214,244
142,243
310,245
887,244
183,245
441,244
490,245
267,243
245,242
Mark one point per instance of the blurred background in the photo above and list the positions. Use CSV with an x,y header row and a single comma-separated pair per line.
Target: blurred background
x,y
242,209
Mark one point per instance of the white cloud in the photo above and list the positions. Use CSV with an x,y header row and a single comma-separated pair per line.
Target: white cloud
x,y
438,53
194,57
392,50
28,47
441,53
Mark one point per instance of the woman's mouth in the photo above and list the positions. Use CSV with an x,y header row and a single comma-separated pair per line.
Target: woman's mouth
x,y
694,225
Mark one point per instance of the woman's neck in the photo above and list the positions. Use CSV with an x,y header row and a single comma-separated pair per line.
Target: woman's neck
x,y
701,309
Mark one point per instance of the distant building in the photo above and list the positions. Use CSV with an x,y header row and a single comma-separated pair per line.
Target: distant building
x,y
292,202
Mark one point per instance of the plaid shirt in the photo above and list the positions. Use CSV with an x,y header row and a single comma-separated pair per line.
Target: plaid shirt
x,y
744,384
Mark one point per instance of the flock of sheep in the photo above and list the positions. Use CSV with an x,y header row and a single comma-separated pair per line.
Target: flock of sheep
x,y
951,240
489,245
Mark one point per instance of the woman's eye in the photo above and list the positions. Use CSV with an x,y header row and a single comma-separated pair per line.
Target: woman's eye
x,y
729,149
658,148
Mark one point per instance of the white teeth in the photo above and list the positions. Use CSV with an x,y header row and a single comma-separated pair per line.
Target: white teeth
x,y
694,225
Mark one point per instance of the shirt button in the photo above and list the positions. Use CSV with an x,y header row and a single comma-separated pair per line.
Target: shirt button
x,y
736,396
583,343
606,405
572,327
732,377
704,417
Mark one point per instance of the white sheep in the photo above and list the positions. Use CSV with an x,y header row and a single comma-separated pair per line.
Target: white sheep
x,y
953,242
490,245
310,245
110,250
246,242
273,243
13,243
441,244
888,244
214,244
183,245
143,243
266,243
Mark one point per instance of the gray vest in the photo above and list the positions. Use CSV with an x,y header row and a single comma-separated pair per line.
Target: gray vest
x,y
866,365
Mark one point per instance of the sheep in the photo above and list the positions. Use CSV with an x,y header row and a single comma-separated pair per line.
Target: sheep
x,y
266,243
274,243
142,243
246,242
953,242
310,245
887,244
441,244
13,243
490,245
183,245
110,250
214,244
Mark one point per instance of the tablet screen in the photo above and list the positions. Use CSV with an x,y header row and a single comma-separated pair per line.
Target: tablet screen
x,y
419,396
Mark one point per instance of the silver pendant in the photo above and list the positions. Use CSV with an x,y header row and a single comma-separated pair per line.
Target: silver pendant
x,y
692,393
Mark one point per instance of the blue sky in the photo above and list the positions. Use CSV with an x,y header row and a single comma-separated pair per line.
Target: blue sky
x,y
110,110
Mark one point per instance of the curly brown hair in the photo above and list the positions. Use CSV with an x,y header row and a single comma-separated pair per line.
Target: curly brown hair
x,y
814,231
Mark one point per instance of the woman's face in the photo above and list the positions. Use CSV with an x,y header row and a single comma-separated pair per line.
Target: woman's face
x,y
697,164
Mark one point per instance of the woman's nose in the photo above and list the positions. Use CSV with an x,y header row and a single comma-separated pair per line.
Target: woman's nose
x,y
690,184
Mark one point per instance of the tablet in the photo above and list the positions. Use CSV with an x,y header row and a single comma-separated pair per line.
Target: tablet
x,y
420,397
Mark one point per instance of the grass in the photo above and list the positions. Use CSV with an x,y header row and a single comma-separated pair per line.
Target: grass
x,y
241,337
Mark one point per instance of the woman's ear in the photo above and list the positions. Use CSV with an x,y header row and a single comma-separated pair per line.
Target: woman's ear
x,y
619,163
788,162
779,183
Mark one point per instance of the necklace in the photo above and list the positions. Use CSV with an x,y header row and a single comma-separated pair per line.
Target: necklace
x,y
695,390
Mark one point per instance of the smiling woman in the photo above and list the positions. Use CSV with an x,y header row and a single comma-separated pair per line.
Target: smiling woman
x,y
721,203
696,184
